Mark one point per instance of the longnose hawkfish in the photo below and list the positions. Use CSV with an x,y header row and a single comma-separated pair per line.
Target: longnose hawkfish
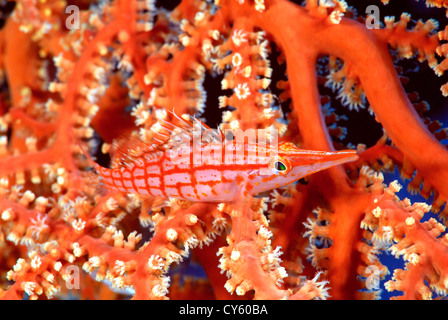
x,y
181,164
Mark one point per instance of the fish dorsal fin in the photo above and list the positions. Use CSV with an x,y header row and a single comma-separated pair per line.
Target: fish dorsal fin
x,y
179,131
167,134
127,149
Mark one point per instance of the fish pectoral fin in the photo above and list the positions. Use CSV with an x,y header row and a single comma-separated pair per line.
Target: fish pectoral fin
x,y
148,205
241,212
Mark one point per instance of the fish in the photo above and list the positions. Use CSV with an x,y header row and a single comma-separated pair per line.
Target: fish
x,y
190,161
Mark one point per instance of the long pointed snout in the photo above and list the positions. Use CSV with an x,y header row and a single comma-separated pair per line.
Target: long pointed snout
x,y
316,161
340,157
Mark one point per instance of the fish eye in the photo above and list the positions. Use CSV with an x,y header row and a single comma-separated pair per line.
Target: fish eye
x,y
280,165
